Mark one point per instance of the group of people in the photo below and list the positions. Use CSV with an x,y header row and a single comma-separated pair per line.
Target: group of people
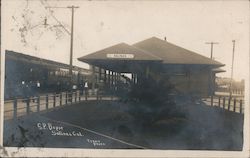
x,y
30,89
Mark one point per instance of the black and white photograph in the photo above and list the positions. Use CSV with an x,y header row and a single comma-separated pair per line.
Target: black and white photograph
x,y
125,75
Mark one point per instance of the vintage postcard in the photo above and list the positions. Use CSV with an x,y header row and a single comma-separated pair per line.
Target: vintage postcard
x,y
124,78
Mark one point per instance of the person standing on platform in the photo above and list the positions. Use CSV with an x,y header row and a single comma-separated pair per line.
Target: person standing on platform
x,y
23,91
38,85
86,89
81,87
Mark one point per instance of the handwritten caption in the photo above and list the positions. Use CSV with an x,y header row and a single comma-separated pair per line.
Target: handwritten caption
x,y
95,142
58,130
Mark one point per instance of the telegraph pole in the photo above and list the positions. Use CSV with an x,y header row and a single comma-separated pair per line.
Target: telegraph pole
x,y
212,45
71,41
232,68
212,80
71,33
1,94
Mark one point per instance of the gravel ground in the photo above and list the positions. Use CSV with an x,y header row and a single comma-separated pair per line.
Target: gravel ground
x,y
109,124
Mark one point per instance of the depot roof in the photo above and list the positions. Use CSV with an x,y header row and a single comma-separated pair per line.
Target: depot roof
x,y
120,51
173,54
124,57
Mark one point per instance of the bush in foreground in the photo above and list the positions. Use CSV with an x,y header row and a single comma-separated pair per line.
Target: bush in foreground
x,y
154,101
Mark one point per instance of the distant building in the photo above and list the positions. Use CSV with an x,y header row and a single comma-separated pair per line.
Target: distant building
x,y
223,85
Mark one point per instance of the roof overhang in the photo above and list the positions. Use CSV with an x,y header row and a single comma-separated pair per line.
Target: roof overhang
x,y
218,70
122,66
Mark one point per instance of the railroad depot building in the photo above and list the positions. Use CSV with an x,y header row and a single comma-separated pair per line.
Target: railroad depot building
x,y
189,72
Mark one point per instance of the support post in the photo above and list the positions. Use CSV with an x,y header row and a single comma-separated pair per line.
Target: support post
x,y
38,104
119,77
54,100
70,97
94,79
97,94
133,76
241,106
75,96
66,101
109,73
47,102
229,103
212,100
105,76
112,78
136,76
224,102
219,102
234,104
28,106
99,75
60,99
15,109
79,96
116,78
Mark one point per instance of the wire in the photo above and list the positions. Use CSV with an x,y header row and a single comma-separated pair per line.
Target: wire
x,y
52,15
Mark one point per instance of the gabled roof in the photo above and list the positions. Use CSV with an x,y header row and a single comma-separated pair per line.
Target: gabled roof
x,y
172,54
120,51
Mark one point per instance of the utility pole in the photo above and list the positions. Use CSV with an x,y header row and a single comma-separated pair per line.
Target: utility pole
x,y
71,41
1,94
71,33
212,76
232,68
212,45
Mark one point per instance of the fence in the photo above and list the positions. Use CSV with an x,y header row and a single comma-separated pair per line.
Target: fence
x,y
25,106
234,91
227,103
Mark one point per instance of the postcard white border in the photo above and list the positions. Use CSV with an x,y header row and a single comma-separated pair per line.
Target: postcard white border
x,y
67,152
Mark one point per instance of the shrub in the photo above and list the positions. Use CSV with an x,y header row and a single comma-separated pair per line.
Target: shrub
x,y
154,100
152,92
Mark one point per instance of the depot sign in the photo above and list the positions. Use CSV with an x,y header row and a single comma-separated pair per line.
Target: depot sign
x,y
121,56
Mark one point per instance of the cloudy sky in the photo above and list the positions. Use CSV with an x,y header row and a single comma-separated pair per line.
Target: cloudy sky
x,y
100,24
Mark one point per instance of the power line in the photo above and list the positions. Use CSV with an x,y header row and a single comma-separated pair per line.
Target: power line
x,y
71,33
53,16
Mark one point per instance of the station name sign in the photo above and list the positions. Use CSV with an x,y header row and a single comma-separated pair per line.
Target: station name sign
x,y
121,56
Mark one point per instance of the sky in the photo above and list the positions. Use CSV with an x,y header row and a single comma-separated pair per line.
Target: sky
x,y
100,24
